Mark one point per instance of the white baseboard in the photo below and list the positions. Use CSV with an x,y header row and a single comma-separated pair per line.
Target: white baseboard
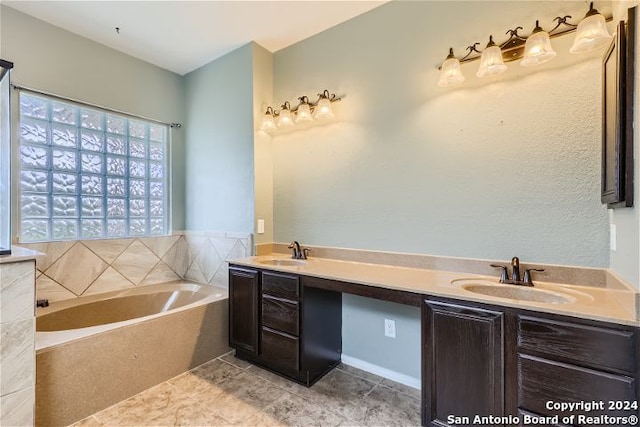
x,y
383,372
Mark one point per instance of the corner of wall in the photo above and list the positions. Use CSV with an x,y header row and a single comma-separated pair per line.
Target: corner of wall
x,y
263,152
219,155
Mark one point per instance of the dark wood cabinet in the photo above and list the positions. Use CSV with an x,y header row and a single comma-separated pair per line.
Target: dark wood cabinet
x,y
462,363
542,380
583,345
299,329
243,310
280,351
481,359
562,360
477,359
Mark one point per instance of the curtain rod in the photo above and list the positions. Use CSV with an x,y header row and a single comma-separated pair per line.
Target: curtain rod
x,y
86,104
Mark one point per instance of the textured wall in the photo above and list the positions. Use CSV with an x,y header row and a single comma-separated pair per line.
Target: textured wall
x,y
51,59
509,166
219,135
486,171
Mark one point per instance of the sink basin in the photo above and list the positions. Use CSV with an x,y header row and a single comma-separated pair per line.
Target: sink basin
x,y
283,262
519,293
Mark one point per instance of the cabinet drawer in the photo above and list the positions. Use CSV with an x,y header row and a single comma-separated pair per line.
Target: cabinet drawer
x,y
540,381
280,285
280,350
280,314
584,345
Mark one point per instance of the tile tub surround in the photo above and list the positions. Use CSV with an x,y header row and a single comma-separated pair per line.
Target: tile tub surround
x,y
229,391
69,269
596,303
79,378
209,252
17,338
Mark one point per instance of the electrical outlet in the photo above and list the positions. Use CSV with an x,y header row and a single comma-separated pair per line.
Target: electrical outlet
x,y
613,238
261,226
389,328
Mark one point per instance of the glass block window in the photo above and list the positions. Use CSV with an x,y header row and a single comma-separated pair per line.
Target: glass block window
x,y
87,173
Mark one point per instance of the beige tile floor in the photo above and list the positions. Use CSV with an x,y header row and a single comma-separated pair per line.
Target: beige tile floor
x,y
229,391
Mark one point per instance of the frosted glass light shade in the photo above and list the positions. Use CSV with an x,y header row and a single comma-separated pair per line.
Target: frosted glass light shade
x,y
285,120
268,123
591,34
537,49
323,109
303,114
491,62
450,74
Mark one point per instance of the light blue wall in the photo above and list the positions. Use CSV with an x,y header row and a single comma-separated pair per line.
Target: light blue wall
x,y
363,338
219,136
489,170
492,171
53,60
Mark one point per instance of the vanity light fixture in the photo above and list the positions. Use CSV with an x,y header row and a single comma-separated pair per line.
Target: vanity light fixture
x,y
285,118
591,33
451,74
491,62
537,49
305,111
323,109
268,121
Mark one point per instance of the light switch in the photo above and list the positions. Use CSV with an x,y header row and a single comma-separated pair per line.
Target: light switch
x,y
613,239
389,328
261,226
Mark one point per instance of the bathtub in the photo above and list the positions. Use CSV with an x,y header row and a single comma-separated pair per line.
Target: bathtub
x,y
95,351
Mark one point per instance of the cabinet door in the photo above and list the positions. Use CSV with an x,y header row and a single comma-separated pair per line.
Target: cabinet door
x,y
462,364
243,310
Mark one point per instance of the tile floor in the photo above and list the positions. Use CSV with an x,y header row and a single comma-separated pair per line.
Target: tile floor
x,y
230,391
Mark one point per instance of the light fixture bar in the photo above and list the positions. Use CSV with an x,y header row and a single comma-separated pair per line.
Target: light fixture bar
x,y
304,111
513,48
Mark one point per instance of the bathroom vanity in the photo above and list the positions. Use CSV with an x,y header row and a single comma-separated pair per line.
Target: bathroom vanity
x,y
481,356
280,324
491,360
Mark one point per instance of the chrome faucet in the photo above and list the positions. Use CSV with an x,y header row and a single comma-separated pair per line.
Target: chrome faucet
x,y
515,273
297,252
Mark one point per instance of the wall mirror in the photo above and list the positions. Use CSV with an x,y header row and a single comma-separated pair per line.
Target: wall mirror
x,y
617,116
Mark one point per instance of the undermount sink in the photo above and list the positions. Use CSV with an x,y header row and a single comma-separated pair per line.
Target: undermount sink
x,y
283,262
519,293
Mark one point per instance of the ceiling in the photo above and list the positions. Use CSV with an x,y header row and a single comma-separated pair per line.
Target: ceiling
x,y
183,35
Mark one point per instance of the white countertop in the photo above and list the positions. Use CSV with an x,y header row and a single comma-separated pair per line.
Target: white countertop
x,y
19,254
609,305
